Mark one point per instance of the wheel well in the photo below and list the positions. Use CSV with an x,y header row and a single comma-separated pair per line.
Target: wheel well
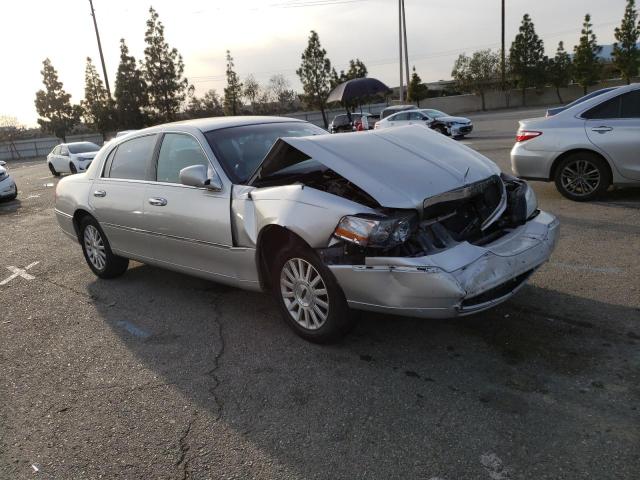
x,y
271,239
556,162
78,216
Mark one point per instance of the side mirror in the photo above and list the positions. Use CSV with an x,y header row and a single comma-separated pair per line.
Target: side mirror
x,y
2,163
196,176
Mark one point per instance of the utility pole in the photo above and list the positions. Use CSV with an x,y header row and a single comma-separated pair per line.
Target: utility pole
x,y
400,49
502,63
406,52
104,68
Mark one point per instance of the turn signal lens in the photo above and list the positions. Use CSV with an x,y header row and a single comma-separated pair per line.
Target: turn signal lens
x,y
524,135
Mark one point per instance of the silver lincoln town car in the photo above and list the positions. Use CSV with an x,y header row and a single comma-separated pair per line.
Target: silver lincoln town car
x,y
400,220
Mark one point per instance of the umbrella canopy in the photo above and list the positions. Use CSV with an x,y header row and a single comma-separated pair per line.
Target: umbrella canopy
x,y
357,88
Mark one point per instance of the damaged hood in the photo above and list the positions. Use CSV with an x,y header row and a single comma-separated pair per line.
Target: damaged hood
x,y
399,167
453,119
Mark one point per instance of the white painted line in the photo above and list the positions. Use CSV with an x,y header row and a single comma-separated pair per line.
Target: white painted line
x,y
19,272
33,196
45,178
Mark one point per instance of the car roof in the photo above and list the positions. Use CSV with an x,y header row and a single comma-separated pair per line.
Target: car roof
x,y
216,123
598,99
77,143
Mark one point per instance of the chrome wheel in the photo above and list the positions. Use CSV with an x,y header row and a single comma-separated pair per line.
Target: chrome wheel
x,y
94,246
580,178
304,293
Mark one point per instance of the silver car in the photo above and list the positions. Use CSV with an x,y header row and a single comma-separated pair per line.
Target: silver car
x,y
8,188
401,220
585,148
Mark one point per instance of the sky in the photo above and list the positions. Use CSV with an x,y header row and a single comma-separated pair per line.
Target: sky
x,y
266,37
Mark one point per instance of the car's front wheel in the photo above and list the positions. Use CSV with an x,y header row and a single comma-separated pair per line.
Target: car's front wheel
x,y
310,299
53,170
72,168
582,176
97,251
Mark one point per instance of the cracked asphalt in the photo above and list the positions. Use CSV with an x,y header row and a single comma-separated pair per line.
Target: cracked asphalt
x,y
157,375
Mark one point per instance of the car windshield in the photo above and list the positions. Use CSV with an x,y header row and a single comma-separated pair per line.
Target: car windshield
x,y
83,147
434,113
241,150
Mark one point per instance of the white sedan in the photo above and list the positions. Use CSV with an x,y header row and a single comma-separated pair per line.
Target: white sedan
x,y
71,157
456,127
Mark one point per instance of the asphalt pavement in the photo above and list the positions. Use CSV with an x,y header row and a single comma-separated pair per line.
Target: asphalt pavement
x,y
157,375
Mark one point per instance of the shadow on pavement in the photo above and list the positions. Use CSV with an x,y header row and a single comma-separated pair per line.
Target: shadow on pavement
x,y
399,397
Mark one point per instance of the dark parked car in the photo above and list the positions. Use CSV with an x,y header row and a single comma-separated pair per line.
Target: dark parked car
x,y
340,123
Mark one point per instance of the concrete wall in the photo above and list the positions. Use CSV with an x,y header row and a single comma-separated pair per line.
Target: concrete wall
x,y
40,147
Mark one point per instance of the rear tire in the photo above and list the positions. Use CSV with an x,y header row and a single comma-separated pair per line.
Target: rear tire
x,y
310,300
53,170
97,251
582,176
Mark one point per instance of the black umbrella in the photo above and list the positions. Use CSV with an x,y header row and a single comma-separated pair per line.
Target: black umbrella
x,y
357,88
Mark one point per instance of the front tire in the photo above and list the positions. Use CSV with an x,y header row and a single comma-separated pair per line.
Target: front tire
x,y
582,176
72,168
310,299
97,251
53,170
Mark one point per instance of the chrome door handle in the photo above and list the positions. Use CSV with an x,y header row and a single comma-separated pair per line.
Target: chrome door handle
x,y
99,193
157,201
602,129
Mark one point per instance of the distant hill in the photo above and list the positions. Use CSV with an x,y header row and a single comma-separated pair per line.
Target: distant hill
x,y
606,51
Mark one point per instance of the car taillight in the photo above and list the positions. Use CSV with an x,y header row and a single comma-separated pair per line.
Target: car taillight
x,y
524,135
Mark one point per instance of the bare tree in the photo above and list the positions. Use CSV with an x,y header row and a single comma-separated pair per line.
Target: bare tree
x,y
10,130
282,92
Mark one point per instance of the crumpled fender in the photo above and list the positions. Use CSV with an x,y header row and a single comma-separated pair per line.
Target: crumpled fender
x,y
309,213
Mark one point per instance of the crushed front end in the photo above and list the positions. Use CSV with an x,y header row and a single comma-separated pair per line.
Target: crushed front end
x,y
465,251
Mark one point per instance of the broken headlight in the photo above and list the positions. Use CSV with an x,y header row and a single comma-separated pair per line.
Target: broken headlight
x,y
531,201
375,231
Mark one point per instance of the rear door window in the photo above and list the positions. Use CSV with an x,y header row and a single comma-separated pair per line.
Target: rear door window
x,y
400,117
608,109
131,158
631,105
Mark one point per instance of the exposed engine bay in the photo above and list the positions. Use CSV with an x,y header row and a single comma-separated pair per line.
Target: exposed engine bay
x,y
477,213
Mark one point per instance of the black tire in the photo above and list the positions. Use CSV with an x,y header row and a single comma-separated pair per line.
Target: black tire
x,y
582,176
112,265
442,130
338,319
72,168
15,194
53,170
